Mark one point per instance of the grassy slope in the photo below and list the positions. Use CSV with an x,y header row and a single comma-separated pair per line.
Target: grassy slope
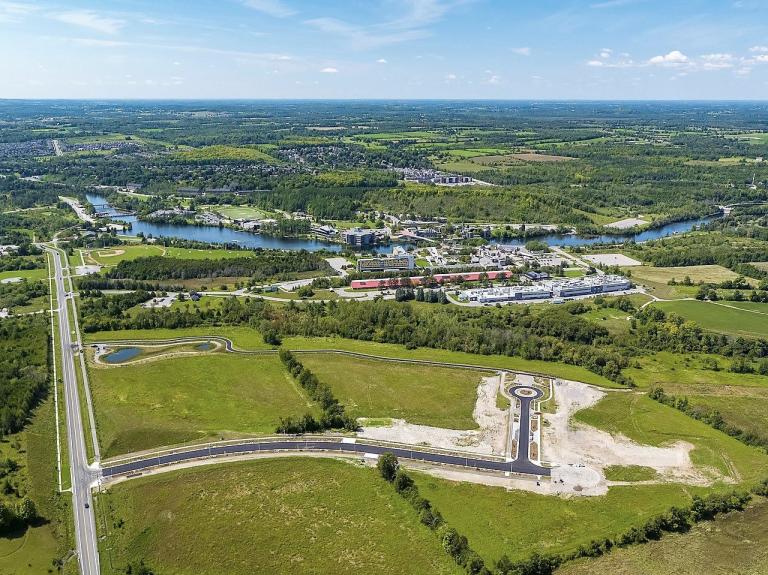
x,y
242,337
648,422
517,523
419,394
280,516
752,322
731,544
493,361
177,400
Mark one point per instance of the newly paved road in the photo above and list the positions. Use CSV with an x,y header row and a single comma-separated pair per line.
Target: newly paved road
x,y
82,474
526,395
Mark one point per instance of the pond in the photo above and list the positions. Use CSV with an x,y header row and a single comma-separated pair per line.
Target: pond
x,y
207,346
122,354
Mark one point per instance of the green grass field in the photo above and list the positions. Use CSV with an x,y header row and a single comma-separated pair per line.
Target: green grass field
x,y
675,372
32,551
177,400
518,523
629,473
221,152
656,278
30,275
240,212
651,423
722,317
425,395
274,516
114,255
493,361
729,545
242,337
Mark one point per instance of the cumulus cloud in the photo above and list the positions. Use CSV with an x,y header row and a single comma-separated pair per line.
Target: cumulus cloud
x,y
606,53
274,8
450,77
90,20
381,61
674,58
717,61
330,70
596,63
762,49
524,51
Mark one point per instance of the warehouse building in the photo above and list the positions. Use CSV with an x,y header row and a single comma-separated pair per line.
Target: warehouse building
x,y
395,263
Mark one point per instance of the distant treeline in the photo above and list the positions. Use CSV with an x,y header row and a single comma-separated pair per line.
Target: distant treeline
x,y
260,266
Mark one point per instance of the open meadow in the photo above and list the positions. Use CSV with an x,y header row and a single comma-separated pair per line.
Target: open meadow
x,y
277,516
745,319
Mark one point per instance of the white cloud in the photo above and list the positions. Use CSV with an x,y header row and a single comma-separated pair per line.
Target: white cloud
x,y
606,53
330,70
525,51
763,49
275,8
99,43
762,58
15,11
91,20
745,71
717,61
596,63
450,77
674,58
381,61
494,79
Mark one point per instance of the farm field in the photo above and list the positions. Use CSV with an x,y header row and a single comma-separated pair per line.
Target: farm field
x,y
426,395
307,514
656,278
493,361
221,152
190,398
648,422
722,317
730,544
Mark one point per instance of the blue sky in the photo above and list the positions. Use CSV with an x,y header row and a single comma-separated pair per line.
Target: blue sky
x,y
498,49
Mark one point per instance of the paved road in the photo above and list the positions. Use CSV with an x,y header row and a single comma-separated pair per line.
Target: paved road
x,y
330,444
82,474
524,433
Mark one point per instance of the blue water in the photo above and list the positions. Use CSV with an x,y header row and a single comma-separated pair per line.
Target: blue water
x,y
123,354
216,235
207,346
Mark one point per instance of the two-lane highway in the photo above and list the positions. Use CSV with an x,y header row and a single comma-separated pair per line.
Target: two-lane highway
x,y
82,475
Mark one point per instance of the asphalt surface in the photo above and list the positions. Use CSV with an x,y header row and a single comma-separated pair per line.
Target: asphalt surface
x,y
336,444
81,474
524,433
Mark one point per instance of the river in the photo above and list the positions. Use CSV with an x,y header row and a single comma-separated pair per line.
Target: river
x,y
217,235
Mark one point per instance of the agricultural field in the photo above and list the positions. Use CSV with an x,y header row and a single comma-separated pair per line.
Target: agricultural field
x,y
226,153
313,515
745,319
186,399
425,395
729,544
657,278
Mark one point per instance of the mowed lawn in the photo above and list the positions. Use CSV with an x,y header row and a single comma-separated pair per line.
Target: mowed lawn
x,y
114,255
427,395
278,516
648,422
731,544
176,400
243,338
738,319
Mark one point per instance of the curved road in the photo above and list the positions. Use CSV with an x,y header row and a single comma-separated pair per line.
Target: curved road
x,y
521,465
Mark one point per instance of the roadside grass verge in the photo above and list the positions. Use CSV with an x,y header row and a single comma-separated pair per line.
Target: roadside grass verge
x,y
729,544
183,399
307,515
420,394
